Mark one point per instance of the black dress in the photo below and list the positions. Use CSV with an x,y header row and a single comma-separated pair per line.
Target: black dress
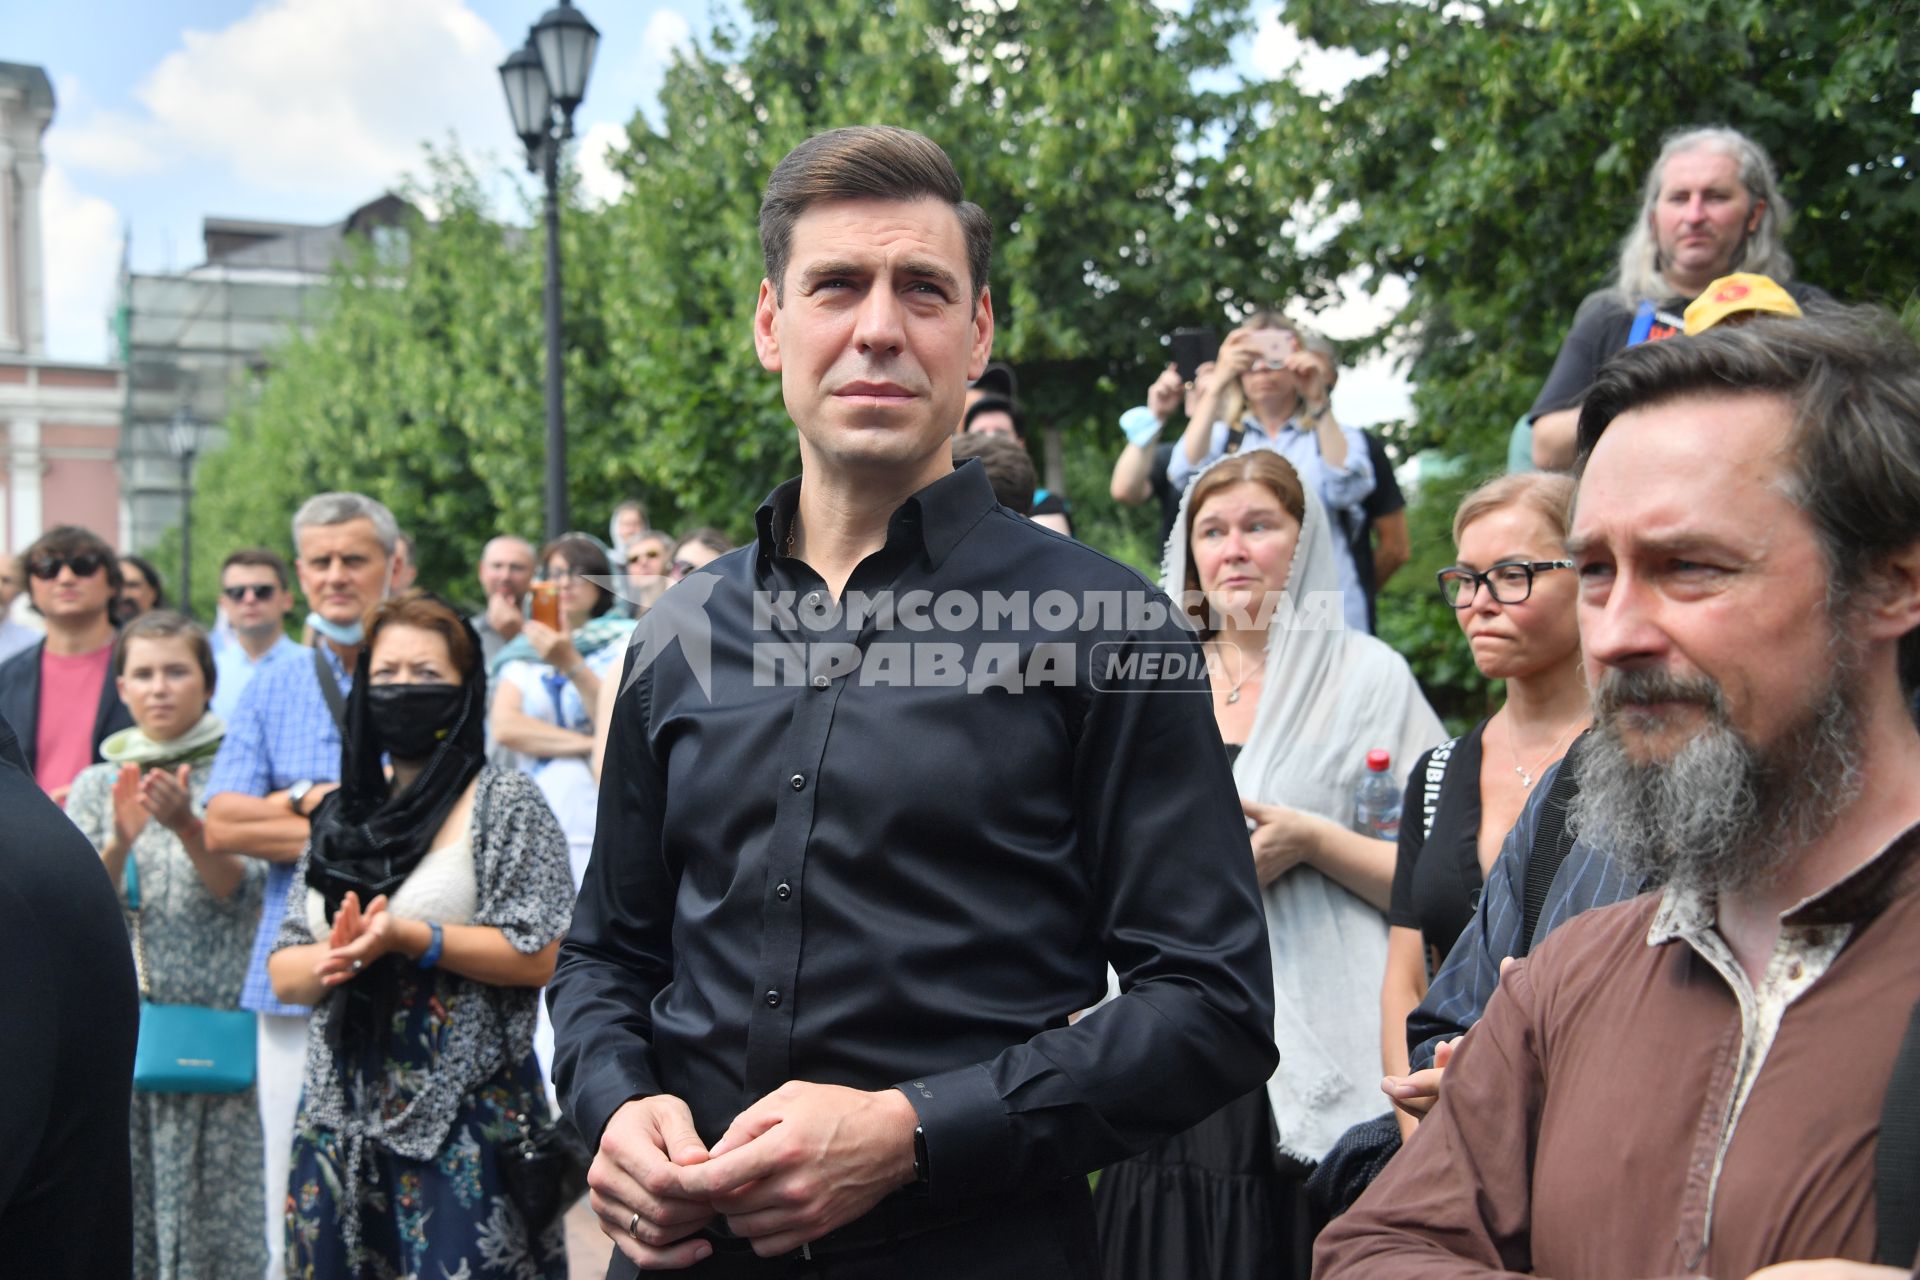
x,y
1218,1201
1437,878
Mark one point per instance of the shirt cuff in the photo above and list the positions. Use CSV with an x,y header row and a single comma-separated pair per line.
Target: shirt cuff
x,y
969,1141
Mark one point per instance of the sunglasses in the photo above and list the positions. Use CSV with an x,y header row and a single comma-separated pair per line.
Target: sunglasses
x,y
680,568
84,565
252,590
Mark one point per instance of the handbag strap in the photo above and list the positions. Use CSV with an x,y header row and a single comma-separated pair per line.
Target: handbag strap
x,y
330,689
1896,1174
132,876
1551,842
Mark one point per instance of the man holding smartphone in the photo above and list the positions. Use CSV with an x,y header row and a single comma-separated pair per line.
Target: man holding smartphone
x,y
1268,392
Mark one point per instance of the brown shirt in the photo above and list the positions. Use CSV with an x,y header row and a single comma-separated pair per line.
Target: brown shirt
x,y
1631,1107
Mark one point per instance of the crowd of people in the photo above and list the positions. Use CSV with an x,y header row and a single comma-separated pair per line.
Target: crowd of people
x,y
875,907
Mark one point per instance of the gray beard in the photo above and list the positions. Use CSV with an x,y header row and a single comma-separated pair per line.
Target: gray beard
x,y
1724,814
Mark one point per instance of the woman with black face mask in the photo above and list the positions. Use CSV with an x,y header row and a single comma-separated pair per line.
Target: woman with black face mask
x,y
425,914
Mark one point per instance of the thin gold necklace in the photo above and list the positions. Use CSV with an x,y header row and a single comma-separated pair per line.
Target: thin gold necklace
x,y
1233,695
1527,776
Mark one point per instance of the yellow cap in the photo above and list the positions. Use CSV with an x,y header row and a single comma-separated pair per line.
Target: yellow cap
x,y
1734,294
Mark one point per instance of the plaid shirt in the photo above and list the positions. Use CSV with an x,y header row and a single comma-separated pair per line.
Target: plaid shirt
x,y
281,733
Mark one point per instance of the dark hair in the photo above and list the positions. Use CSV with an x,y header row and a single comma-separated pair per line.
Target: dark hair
x,y
72,540
1009,469
583,555
428,612
165,624
707,536
148,574
994,404
258,557
865,162
1852,378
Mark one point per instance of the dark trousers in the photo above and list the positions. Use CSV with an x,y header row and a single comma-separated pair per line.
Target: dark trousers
x,y
1042,1236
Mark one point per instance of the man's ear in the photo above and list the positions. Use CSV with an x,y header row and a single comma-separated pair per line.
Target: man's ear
x,y
766,340
982,336
1754,215
1892,607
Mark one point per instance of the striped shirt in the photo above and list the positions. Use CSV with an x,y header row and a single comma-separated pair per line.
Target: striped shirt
x,y
1588,878
281,733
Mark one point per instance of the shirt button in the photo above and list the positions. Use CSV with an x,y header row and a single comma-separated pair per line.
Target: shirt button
x,y
783,891
821,682
798,781
813,600
773,999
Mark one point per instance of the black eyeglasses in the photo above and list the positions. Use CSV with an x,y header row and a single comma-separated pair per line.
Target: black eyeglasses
x,y
257,590
84,565
1509,582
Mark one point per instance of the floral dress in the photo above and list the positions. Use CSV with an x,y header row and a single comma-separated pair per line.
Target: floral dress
x,y
397,1174
196,1156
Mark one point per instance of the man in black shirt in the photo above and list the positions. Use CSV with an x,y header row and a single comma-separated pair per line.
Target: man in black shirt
x,y
69,1014
885,794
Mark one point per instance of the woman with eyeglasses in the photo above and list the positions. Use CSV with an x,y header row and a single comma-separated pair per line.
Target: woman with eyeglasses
x,y
196,1156
547,680
697,549
1513,592
649,559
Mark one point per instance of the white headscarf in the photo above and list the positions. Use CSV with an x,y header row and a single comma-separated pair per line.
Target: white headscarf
x,y
1330,696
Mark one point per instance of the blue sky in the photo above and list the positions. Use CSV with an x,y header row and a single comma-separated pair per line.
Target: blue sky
x,y
301,110
295,110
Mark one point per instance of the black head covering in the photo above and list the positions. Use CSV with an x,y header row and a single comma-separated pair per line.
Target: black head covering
x,y
367,839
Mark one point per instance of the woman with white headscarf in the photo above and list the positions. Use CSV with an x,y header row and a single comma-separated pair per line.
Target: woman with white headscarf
x,y
1300,701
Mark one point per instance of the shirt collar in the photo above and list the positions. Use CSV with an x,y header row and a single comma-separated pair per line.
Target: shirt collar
x,y
936,517
1855,899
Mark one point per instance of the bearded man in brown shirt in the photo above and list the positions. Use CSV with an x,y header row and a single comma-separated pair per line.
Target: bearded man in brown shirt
x,y
1690,1083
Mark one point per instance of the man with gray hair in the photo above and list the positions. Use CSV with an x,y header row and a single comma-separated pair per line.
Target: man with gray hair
x,y
1711,205
1709,1063
279,759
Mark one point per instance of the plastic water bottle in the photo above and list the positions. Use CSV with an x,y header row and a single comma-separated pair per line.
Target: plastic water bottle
x,y
1376,801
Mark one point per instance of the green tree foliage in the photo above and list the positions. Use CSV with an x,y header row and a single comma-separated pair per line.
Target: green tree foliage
x,y
1495,157
1491,160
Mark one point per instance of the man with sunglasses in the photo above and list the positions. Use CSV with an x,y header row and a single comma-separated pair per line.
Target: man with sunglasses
x,y
58,695
254,600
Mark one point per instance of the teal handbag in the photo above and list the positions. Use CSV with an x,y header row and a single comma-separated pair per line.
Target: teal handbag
x,y
186,1048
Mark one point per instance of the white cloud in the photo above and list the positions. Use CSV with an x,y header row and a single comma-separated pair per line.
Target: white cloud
x,y
597,177
81,234
666,31
1279,53
320,96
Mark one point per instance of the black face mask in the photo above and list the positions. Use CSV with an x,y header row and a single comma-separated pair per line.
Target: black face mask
x,y
413,719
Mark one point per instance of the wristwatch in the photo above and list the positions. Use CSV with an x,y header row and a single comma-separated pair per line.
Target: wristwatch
x,y
296,793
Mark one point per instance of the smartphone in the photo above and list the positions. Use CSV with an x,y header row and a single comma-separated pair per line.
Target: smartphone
x,y
1193,348
546,604
1276,344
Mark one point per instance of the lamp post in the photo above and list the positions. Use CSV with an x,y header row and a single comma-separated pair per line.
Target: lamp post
x,y
545,79
185,434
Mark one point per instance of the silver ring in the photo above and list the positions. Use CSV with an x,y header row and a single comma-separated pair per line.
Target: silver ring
x,y
633,1226
356,966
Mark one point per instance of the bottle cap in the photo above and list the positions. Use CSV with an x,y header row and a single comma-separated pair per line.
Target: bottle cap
x,y
1378,761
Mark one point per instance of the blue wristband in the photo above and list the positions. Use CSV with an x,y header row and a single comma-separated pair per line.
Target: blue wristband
x,y
431,956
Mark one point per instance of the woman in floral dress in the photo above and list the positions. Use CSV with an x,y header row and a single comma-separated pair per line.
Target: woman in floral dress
x,y
196,1156
425,913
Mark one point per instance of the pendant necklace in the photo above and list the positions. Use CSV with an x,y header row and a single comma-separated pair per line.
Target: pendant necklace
x,y
1233,694
1527,775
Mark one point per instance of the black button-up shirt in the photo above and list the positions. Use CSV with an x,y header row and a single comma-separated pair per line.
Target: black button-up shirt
x,y
897,839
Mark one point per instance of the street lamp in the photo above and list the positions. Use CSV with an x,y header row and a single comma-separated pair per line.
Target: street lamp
x,y
185,436
545,79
